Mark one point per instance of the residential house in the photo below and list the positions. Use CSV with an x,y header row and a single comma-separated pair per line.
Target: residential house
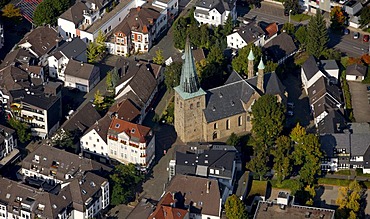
x,y
167,208
95,138
169,9
323,97
216,163
312,5
214,12
59,58
347,150
38,106
136,33
310,73
271,30
280,48
125,110
131,143
86,18
331,69
284,207
356,72
200,196
244,35
8,142
40,42
79,121
80,198
82,76
55,166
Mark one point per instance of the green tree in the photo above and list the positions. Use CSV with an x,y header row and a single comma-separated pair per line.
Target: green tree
x,y
64,139
115,77
349,200
125,179
271,66
233,139
179,30
337,17
23,130
317,35
258,164
92,52
44,13
98,98
172,75
268,119
228,27
112,79
240,63
282,158
108,80
100,43
365,16
235,208
289,28
332,54
301,35
158,59
204,36
10,11
292,5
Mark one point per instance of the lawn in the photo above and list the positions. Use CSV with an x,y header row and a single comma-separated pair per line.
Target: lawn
x,y
258,188
336,182
300,17
343,172
286,184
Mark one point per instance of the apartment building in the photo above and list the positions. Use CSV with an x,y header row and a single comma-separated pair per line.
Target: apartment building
x,y
86,18
7,141
214,12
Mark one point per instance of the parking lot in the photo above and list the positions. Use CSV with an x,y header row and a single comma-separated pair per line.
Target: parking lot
x,y
360,101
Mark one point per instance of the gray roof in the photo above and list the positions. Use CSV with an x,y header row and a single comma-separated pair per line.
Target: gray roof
x,y
322,87
75,13
359,144
79,69
356,69
73,48
250,32
35,97
310,67
329,142
272,84
329,65
334,122
220,5
79,120
360,128
280,46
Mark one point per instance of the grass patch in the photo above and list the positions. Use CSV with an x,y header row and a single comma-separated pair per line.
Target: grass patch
x,y
300,58
367,78
286,184
300,17
336,182
343,172
258,188
347,97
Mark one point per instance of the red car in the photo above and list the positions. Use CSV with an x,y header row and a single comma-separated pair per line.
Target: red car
x,y
366,38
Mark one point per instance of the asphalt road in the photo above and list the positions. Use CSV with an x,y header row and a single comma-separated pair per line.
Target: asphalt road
x,y
275,13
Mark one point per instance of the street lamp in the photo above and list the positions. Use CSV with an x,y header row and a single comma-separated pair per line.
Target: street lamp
x,y
289,14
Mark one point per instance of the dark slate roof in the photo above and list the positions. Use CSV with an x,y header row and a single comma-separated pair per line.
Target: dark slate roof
x,y
220,5
310,67
226,100
359,144
80,120
101,127
35,97
334,122
331,141
356,69
322,87
359,128
234,77
329,65
73,48
272,84
280,46
75,13
250,32
79,69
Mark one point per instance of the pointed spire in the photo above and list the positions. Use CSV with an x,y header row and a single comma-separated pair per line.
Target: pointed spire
x,y
189,79
250,56
261,65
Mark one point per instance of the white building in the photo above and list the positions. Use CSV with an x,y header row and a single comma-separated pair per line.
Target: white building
x,y
58,60
310,73
85,20
82,76
331,69
214,12
7,141
131,143
356,72
250,33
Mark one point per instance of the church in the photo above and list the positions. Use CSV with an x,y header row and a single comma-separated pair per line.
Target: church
x,y
216,113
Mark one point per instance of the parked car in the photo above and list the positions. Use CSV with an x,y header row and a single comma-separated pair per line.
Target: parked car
x,y
366,38
356,35
346,31
290,113
290,105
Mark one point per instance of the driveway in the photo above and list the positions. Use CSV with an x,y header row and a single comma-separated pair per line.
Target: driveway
x,y
360,101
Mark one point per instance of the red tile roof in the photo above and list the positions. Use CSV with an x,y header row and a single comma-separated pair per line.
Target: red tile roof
x,y
131,129
165,209
272,29
125,110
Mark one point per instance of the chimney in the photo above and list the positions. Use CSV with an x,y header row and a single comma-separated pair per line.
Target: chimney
x,y
208,186
138,8
260,76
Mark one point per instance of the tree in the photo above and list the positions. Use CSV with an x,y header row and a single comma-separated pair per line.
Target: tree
x,y
125,179
282,158
108,80
268,119
63,139
112,79
337,17
240,63
98,98
233,139
158,59
365,16
23,130
292,5
235,208
271,66
172,75
229,26
317,35
92,52
332,54
349,200
258,164
301,35
100,43
204,36
289,28
179,30
10,11
48,11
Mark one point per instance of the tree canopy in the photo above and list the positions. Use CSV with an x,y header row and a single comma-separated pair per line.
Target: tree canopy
x,y
112,79
301,35
317,35
96,49
235,208
10,11
268,119
125,178
365,16
48,11
349,201
172,75
23,130
292,5
282,157
158,59
337,17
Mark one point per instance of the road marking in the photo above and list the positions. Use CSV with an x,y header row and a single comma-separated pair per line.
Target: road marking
x,y
355,47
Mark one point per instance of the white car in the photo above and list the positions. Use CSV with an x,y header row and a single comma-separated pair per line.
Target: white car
x,y
356,35
290,113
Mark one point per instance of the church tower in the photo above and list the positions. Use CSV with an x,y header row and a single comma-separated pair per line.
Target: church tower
x,y
260,76
189,101
250,64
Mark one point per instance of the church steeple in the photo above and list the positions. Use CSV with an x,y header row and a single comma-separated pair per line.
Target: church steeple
x,y
260,76
250,64
189,80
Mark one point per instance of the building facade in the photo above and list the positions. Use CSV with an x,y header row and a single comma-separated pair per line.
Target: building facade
x,y
214,12
7,141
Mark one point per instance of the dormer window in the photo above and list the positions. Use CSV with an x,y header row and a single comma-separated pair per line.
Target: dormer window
x,y
132,130
117,125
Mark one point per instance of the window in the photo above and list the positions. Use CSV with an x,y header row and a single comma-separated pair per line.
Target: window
x,y
240,120
211,171
213,17
215,126
191,106
87,143
198,104
248,118
217,172
97,140
228,124
214,136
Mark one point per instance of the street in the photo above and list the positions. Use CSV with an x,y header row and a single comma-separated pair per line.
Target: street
x,y
270,12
